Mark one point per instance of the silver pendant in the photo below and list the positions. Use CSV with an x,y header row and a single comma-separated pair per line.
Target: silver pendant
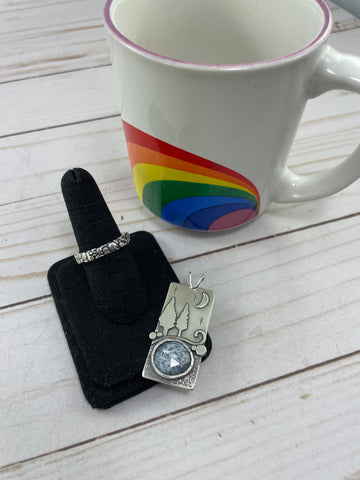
x,y
178,342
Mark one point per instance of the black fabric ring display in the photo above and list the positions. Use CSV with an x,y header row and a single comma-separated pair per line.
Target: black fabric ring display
x,y
109,306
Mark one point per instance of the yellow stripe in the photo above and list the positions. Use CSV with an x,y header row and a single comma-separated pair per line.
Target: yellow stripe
x,y
144,173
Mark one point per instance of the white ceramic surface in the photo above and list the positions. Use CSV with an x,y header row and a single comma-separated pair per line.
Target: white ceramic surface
x,y
223,85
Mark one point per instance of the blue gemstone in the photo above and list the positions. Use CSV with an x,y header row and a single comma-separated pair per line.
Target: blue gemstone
x,y
172,358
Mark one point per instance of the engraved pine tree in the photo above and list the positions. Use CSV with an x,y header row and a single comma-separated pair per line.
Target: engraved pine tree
x,y
182,322
167,319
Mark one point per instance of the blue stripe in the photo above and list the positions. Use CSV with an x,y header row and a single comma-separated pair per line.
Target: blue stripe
x,y
179,211
202,219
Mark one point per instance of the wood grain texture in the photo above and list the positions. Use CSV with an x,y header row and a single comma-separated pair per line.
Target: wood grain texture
x,y
61,99
21,5
60,36
329,131
278,397
30,245
79,96
52,38
283,304
35,230
343,20
269,432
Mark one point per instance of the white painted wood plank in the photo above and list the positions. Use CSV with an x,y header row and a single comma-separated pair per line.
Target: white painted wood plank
x,y
36,232
35,162
30,246
323,142
343,20
282,305
301,428
81,95
63,36
13,5
76,144
57,100
51,39
312,310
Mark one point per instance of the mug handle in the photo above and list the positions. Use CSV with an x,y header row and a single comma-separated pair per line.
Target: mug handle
x,y
334,71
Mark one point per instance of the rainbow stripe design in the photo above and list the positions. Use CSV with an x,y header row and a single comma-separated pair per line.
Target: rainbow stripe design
x,y
185,189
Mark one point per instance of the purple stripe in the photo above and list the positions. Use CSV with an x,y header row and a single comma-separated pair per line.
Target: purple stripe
x,y
206,66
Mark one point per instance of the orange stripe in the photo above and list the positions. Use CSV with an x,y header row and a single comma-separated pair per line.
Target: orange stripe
x,y
134,135
139,154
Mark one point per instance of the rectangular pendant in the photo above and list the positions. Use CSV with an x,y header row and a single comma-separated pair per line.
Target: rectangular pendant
x,y
178,342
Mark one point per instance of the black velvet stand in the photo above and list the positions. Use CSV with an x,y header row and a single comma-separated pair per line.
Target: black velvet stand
x,y
109,306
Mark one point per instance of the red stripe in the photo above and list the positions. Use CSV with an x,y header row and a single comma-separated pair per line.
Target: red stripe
x,y
134,135
142,155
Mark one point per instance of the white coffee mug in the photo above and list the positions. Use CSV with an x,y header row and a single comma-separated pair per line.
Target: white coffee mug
x,y
211,96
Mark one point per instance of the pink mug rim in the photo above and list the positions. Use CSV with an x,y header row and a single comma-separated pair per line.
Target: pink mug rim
x,y
317,41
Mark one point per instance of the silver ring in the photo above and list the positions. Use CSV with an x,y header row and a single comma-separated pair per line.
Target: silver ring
x,y
99,252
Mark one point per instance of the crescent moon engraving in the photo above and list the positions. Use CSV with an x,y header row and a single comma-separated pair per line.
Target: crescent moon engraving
x,y
204,301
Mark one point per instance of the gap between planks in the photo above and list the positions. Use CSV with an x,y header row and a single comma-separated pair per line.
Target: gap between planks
x,y
98,82
343,21
51,127
180,411
211,252
72,70
107,64
19,8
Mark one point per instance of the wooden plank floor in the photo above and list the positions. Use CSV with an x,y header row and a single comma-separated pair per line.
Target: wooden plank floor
x,y
279,396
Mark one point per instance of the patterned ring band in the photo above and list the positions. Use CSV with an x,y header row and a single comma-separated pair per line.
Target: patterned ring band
x,y
109,247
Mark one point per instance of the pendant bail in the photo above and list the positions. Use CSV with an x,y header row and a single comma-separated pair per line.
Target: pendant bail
x,y
199,282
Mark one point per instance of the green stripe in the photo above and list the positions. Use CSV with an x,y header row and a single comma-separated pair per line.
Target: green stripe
x,y
159,193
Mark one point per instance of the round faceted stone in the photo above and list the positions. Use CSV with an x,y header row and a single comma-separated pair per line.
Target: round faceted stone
x,y
172,358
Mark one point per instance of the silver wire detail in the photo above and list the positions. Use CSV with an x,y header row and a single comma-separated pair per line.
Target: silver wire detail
x,y
197,284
